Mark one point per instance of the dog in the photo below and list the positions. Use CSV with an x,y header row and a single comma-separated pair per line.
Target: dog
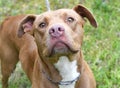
x,y
49,48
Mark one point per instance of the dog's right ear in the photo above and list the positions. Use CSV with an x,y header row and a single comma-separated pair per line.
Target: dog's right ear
x,y
26,25
84,12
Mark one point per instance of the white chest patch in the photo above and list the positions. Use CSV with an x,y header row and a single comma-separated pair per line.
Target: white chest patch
x,y
67,70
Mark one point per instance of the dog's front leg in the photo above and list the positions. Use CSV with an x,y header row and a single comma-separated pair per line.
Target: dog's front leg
x,y
27,56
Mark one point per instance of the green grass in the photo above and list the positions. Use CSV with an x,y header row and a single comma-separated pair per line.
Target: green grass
x,y
19,79
101,46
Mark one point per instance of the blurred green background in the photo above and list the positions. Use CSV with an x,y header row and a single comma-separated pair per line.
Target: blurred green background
x,y
101,46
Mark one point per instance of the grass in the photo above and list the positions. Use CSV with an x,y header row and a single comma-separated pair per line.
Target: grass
x,y
101,46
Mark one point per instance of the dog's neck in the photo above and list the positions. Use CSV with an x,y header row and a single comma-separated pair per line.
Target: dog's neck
x,y
68,70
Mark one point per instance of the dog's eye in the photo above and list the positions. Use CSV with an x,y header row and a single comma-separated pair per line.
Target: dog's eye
x,y
70,19
42,25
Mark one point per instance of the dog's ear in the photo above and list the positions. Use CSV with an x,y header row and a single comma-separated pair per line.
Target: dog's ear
x,y
26,25
84,12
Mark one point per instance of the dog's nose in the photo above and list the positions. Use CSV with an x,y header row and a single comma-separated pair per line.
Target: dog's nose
x,y
56,30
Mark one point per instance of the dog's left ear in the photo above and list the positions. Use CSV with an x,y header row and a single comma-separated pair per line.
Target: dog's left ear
x,y
84,12
26,25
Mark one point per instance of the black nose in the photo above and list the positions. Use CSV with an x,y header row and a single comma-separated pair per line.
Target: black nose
x,y
56,30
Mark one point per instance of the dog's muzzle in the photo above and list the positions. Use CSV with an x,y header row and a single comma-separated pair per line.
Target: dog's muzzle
x,y
62,48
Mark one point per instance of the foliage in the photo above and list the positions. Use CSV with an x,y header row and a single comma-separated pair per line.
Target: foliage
x,y
101,46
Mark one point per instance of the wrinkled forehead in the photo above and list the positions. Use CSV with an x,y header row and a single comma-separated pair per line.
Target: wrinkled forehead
x,y
58,14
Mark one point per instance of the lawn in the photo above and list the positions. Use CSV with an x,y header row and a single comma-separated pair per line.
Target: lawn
x,y
101,46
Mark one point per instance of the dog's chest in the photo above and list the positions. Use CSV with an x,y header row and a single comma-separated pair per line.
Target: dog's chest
x,y
67,70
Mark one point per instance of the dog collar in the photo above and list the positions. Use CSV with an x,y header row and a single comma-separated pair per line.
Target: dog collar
x,y
60,82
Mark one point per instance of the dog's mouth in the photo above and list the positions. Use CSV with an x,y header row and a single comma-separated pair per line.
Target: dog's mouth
x,y
61,48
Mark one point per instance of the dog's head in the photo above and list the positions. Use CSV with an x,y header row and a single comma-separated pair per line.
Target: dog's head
x,y
58,32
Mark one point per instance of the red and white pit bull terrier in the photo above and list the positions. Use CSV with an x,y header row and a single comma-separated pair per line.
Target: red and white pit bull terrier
x,y
51,42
